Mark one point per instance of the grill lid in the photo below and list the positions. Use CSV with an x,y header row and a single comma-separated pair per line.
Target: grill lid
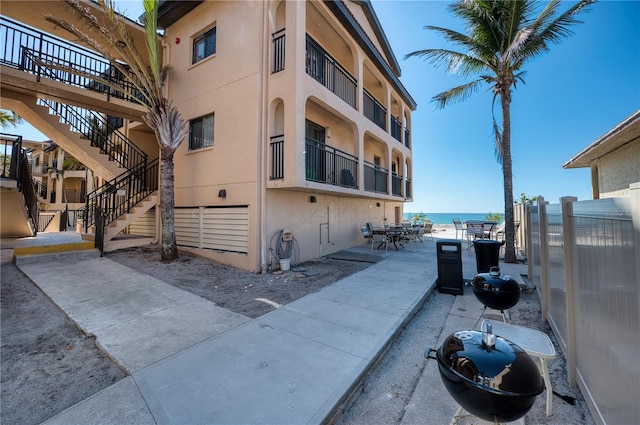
x,y
490,363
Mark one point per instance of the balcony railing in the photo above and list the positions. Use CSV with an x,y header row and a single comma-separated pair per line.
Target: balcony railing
x,y
407,191
278,51
375,178
327,71
326,164
375,111
277,158
396,129
396,184
407,141
44,55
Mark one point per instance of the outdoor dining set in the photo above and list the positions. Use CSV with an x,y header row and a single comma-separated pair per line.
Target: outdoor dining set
x,y
396,234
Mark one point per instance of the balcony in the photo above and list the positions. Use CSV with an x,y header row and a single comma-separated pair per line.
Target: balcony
x,y
375,111
277,158
396,184
278,51
327,71
375,178
396,129
407,192
326,164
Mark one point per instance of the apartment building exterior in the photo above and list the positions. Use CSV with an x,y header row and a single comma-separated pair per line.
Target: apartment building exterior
x,y
298,120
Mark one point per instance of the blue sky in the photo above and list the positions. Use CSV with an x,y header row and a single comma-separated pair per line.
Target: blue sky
x,y
573,94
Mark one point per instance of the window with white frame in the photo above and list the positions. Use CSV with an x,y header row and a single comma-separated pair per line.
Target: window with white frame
x,y
201,132
204,45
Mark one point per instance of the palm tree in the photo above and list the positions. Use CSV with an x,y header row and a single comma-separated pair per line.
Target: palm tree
x,y
112,39
9,118
502,35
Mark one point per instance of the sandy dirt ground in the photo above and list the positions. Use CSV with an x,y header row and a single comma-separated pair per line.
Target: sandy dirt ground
x,y
48,365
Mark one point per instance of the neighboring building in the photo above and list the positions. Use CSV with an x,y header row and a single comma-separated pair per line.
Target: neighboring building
x,y
614,159
297,120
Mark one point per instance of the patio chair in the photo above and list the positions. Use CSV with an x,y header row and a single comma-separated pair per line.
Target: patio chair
x,y
420,235
366,233
428,228
380,239
459,228
475,230
411,235
500,235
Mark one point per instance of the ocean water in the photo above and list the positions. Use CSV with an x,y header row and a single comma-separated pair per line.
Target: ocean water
x,y
447,218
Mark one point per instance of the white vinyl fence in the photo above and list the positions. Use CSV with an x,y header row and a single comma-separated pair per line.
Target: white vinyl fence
x,y
585,259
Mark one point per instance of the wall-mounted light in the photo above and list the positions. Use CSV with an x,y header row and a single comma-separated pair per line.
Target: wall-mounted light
x,y
312,199
327,132
222,193
377,204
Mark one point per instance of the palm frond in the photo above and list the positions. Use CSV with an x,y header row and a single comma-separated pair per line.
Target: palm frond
x,y
455,62
456,94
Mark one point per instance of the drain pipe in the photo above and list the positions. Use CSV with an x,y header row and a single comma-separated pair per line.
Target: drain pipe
x,y
328,234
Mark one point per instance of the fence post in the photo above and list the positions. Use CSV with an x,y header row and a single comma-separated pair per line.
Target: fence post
x,y
570,274
634,190
544,257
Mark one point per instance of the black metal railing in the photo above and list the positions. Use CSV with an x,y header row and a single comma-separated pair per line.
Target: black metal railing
x,y
407,141
326,164
327,71
396,129
44,219
15,166
46,56
40,188
100,132
278,51
374,110
396,184
277,158
407,191
119,195
375,178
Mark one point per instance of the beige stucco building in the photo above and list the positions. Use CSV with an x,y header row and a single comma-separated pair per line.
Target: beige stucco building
x,y
297,119
614,159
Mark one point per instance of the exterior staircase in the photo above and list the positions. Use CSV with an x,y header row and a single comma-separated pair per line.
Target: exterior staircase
x,y
89,136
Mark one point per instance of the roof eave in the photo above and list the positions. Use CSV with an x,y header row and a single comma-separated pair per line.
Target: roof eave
x,y
613,139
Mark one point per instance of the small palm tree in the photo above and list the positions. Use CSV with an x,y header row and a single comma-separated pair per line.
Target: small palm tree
x,y
502,35
112,35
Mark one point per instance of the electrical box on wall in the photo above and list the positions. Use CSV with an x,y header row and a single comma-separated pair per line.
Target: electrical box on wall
x,y
287,235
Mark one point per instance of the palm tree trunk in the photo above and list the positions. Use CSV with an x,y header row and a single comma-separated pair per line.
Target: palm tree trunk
x,y
167,203
507,174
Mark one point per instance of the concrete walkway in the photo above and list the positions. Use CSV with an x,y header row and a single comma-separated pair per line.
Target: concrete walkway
x,y
193,362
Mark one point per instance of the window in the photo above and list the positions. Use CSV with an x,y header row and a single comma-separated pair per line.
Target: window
x,y
201,132
204,45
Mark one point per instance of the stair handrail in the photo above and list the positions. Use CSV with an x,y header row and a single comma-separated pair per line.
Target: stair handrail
x,y
20,171
100,132
118,196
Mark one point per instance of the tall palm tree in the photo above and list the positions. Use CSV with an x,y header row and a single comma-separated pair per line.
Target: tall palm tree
x,y
502,35
111,38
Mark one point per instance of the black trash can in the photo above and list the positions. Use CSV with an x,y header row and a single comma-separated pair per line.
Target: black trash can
x,y
449,255
487,252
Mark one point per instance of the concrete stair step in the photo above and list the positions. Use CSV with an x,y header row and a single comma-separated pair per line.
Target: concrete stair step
x,y
55,253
